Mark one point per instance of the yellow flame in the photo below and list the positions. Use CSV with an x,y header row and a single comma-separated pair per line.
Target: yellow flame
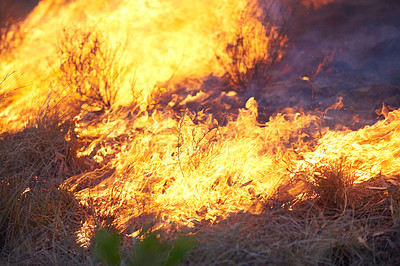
x,y
157,164
159,40
372,150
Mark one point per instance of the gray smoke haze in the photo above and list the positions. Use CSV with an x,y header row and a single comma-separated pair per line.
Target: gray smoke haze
x,y
356,47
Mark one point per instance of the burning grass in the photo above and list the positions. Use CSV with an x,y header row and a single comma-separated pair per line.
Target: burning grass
x,y
323,217
326,219
306,232
85,179
254,49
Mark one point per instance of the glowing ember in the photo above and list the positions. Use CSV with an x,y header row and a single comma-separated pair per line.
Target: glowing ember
x,y
316,3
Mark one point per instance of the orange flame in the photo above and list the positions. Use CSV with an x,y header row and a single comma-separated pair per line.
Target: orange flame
x,y
152,159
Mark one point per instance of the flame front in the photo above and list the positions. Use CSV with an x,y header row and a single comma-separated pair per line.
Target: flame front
x,y
154,42
153,159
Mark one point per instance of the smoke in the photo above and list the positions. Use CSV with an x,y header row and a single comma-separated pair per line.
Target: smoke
x,y
335,49
348,49
15,10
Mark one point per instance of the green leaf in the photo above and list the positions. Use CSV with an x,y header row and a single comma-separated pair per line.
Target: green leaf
x,y
107,247
179,250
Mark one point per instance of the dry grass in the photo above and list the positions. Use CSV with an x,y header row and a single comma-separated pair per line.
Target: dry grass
x,y
307,234
329,184
335,222
366,232
37,220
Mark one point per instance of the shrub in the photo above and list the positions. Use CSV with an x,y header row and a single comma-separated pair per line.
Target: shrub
x,y
327,184
331,184
89,68
257,44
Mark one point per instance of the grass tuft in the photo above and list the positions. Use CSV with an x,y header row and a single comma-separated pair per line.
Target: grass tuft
x,y
38,220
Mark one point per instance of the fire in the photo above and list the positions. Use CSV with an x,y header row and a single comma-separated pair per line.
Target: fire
x,y
370,151
155,153
161,41
186,173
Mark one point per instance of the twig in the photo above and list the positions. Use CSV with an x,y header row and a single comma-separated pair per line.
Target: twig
x,y
179,143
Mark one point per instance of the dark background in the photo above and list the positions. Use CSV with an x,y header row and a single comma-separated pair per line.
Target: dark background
x,y
15,10
348,49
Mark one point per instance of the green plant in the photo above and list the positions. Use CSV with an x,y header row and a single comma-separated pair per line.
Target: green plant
x,y
107,246
149,251
152,251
